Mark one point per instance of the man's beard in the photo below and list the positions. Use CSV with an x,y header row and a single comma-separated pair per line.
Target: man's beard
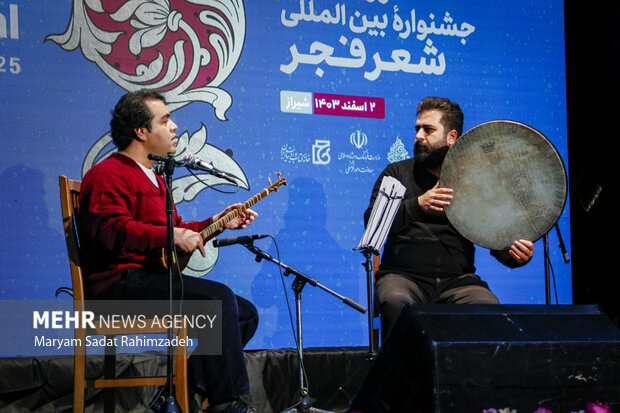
x,y
429,158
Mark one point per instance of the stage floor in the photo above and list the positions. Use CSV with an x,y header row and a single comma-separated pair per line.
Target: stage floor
x,y
45,384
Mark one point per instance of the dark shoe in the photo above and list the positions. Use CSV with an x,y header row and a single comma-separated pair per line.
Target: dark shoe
x,y
237,406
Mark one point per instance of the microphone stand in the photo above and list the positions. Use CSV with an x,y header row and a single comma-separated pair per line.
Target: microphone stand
x,y
548,261
304,403
547,265
171,405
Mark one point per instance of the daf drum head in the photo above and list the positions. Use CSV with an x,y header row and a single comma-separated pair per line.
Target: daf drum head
x,y
509,183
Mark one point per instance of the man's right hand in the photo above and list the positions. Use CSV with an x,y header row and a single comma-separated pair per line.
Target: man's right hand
x,y
188,241
435,199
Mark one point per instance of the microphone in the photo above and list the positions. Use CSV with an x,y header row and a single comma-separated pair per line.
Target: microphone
x,y
158,158
245,239
164,165
193,162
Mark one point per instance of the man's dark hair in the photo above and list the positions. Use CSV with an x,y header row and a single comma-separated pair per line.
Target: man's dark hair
x,y
452,114
130,113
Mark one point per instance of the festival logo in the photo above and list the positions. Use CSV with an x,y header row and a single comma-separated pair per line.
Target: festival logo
x,y
184,49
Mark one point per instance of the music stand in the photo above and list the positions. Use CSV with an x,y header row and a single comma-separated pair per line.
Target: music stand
x,y
389,198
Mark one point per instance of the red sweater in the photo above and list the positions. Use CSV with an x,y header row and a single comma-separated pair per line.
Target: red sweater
x,y
122,217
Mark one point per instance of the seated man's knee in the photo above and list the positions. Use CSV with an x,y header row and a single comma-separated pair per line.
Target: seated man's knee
x,y
222,292
391,304
393,292
247,311
475,294
395,299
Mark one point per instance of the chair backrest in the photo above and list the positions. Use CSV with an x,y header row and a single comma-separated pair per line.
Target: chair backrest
x,y
70,205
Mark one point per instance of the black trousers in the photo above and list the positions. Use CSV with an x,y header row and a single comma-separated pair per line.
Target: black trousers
x,y
219,378
393,291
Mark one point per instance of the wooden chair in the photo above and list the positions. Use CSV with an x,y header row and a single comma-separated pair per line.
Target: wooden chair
x,y
69,193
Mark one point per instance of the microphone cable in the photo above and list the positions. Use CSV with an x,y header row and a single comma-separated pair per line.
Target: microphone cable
x,y
237,187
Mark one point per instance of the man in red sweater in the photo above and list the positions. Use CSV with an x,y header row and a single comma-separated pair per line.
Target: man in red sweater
x,y
123,218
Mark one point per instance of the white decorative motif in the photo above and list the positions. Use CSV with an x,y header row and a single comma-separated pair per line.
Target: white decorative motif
x,y
187,187
397,152
152,24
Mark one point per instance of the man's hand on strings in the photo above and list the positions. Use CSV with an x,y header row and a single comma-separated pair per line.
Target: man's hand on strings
x,y
241,221
188,241
435,199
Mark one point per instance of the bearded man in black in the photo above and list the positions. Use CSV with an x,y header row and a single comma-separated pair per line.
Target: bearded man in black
x,y
425,260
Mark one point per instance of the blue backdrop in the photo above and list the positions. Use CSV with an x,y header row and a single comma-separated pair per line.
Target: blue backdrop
x,y
322,91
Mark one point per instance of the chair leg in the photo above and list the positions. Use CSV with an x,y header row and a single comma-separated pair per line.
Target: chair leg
x,y
109,372
79,383
79,380
180,373
180,382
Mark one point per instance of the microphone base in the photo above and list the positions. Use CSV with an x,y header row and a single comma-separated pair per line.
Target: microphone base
x,y
171,406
